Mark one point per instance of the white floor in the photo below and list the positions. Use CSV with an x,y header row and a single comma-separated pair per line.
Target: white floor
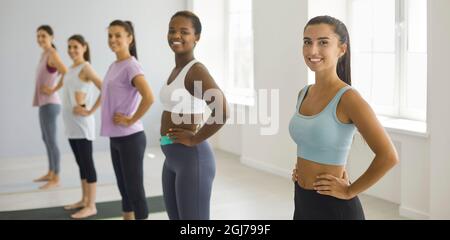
x,y
239,192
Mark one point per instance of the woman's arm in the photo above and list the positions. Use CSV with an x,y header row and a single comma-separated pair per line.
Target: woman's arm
x,y
362,115
80,98
89,73
216,101
56,62
147,100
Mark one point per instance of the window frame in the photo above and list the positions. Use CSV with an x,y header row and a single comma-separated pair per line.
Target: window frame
x,y
400,108
241,96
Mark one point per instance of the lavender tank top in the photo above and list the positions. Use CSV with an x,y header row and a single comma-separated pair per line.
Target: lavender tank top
x,y
44,77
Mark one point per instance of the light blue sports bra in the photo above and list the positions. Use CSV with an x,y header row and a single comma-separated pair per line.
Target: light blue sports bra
x,y
322,138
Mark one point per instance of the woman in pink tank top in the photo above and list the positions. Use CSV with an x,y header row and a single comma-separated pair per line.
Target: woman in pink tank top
x,y
47,99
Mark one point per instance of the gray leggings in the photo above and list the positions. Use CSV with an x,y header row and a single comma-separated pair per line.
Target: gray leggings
x,y
47,119
187,178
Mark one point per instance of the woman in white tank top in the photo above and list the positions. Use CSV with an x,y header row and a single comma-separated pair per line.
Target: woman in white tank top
x,y
78,92
189,168
79,121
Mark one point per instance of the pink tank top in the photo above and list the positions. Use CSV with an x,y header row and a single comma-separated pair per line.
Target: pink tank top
x,y
44,77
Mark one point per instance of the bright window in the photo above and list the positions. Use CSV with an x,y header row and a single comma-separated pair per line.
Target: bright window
x,y
227,45
389,55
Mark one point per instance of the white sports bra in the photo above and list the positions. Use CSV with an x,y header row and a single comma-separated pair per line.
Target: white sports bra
x,y
176,98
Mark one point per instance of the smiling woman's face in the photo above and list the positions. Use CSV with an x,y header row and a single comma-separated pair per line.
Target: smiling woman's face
x,y
119,40
321,47
76,50
44,39
181,36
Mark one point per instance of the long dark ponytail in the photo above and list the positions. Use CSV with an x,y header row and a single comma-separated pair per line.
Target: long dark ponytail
x,y
343,67
128,26
79,38
48,30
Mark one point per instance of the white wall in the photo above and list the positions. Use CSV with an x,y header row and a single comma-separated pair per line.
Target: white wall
x,y
20,132
334,8
408,182
439,107
278,27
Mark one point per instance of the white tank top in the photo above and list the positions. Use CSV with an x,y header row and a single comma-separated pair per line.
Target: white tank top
x,y
176,98
77,127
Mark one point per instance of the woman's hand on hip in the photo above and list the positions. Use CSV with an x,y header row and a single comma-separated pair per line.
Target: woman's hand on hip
x,y
81,111
121,119
327,184
46,90
183,136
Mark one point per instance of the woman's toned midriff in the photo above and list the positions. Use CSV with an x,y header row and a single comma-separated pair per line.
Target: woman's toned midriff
x,y
193,123
307,172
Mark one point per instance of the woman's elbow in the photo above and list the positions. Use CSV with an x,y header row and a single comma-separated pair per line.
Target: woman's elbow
x,y
392,159
149,99
63,70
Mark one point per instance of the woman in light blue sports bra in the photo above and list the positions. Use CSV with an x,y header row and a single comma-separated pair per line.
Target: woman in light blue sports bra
x,y
325,120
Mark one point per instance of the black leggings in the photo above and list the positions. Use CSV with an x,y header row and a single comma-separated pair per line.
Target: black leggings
x,y
82,149
127,155
310,205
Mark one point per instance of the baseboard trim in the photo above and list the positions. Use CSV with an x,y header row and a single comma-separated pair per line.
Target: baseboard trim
x,y
413,214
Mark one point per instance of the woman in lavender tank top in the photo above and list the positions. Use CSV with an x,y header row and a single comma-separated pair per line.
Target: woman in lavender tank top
x,y
47,99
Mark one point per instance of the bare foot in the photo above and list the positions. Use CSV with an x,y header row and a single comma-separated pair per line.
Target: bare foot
x,y
85,212
43,178
77,205
49,185
129,216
